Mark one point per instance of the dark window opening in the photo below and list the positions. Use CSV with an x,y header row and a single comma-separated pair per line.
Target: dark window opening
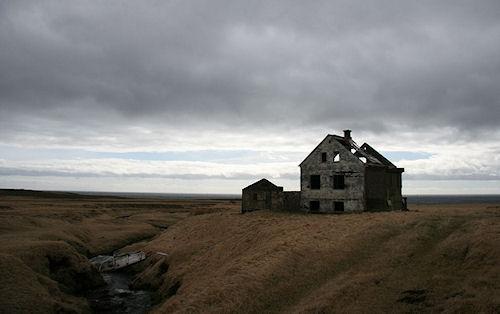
x,y
323,157
254,196
338,206
315,182
314,206
338,182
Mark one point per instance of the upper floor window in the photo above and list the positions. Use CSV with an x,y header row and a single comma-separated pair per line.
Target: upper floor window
x,y
315,182
336,157
323,157
338,182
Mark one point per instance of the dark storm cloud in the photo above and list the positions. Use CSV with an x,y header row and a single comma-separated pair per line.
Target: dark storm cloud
x,y
96,66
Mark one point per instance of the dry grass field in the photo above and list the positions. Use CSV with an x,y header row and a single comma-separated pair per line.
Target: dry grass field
x,y
46,238
434,258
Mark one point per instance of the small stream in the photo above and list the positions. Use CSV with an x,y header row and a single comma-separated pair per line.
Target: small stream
x,y
117,297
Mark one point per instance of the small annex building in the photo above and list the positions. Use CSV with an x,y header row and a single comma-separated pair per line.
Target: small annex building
x,y
337,176
265,195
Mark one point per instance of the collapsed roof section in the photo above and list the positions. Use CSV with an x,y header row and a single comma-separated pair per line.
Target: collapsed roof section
x,y
366,154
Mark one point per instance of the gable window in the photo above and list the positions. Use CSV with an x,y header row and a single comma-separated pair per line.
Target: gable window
x,y
323,157
315,182
338,206
336,157
254,196
338,182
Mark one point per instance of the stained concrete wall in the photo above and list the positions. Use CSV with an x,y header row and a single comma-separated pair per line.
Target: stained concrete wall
x,y
291,201
383,188
260,199
277,200
349,166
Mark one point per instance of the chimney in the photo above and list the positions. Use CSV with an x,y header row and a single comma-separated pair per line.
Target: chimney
x,y
347,134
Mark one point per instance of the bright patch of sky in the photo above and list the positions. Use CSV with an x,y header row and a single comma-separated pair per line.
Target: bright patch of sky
x,y
395,156
210,171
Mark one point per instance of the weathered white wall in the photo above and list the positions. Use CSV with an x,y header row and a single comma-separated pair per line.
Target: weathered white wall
x,y
349,165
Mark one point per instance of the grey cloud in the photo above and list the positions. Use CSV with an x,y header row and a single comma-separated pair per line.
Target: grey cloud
x,y
461,174
440,177
87,69
11,171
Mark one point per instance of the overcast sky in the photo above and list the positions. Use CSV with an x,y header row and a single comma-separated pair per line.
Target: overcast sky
x,y
208,96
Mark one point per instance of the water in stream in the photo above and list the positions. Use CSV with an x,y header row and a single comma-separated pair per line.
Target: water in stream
x,y
117,297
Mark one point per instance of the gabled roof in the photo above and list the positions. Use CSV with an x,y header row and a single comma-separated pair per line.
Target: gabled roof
x,y
264,184
373,158
315,149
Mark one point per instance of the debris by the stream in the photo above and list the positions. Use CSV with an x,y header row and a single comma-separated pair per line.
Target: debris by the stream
x,y
110,263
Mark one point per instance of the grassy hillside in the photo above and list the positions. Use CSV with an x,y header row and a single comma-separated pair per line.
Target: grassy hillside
x,y
45,239
434,258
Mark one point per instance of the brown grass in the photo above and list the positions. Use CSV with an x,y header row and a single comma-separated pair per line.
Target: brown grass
x,y
435,258
45,238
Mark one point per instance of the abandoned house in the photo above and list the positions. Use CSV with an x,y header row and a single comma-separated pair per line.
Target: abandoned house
x,y
337,176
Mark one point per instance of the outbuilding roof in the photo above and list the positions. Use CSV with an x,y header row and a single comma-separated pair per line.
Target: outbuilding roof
x,y
264,185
